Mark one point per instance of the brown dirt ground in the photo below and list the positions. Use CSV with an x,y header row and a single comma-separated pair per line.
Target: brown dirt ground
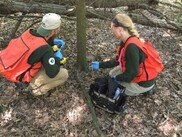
x,y
65,114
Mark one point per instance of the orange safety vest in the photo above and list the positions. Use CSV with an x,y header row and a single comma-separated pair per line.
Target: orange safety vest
x,y
14,58
151,66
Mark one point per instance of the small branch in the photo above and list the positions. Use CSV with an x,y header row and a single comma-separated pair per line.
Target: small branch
x,y
94,14
35,22
91,107
14,16
17,26
169,4
176,25
166,24
179,38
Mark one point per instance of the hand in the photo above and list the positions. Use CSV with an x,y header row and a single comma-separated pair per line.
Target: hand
x,y
94,65
58,54
115,71
114,78
59,42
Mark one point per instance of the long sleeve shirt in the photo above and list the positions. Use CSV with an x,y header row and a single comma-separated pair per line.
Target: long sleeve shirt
x,y
133,57
45,55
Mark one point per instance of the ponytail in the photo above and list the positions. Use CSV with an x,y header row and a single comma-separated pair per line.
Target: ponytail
x,y
128,24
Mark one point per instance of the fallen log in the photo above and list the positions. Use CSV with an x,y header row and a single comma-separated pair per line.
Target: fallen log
x,y
95,3
38,6
137,18
11,6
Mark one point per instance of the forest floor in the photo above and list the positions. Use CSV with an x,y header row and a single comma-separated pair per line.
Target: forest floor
x,y
65,113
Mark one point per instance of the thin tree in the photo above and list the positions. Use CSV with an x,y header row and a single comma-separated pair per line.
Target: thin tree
x,y
81,35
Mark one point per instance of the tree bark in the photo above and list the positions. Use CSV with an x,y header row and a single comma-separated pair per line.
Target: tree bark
x,y
138,18
145,21
61,6
81,34
39,6
13,6
92,3
118,3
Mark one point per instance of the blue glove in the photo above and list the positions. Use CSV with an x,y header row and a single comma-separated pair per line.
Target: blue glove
x,y
94,65
58,54
59,42
114,77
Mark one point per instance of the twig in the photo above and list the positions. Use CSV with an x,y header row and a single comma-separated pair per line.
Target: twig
x,y
178,26
171,5
179,38
168,22
89,103
35,22
17,17
160,15
17,26
96,15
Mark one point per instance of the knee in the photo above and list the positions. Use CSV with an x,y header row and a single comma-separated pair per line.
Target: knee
x,y
64,73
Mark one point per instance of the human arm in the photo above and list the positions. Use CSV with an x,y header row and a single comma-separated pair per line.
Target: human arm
x,y
45,55
59,44
133,57
109,64
95,65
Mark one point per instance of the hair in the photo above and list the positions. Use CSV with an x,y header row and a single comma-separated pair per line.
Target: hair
x,y
126,22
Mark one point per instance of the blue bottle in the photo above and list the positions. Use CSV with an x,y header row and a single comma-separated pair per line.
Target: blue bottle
x,y
117,93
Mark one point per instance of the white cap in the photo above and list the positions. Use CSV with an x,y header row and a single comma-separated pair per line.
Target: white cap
x,y
50,21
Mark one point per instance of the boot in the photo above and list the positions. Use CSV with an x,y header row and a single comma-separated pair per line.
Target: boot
x,y
151,91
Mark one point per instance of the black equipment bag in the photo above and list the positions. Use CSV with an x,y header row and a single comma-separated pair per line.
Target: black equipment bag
x,y
103,94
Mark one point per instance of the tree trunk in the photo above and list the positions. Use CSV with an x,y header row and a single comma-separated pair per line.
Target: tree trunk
x,y
81,34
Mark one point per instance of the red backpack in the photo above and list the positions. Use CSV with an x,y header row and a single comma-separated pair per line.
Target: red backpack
x,y
152,65
153,56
